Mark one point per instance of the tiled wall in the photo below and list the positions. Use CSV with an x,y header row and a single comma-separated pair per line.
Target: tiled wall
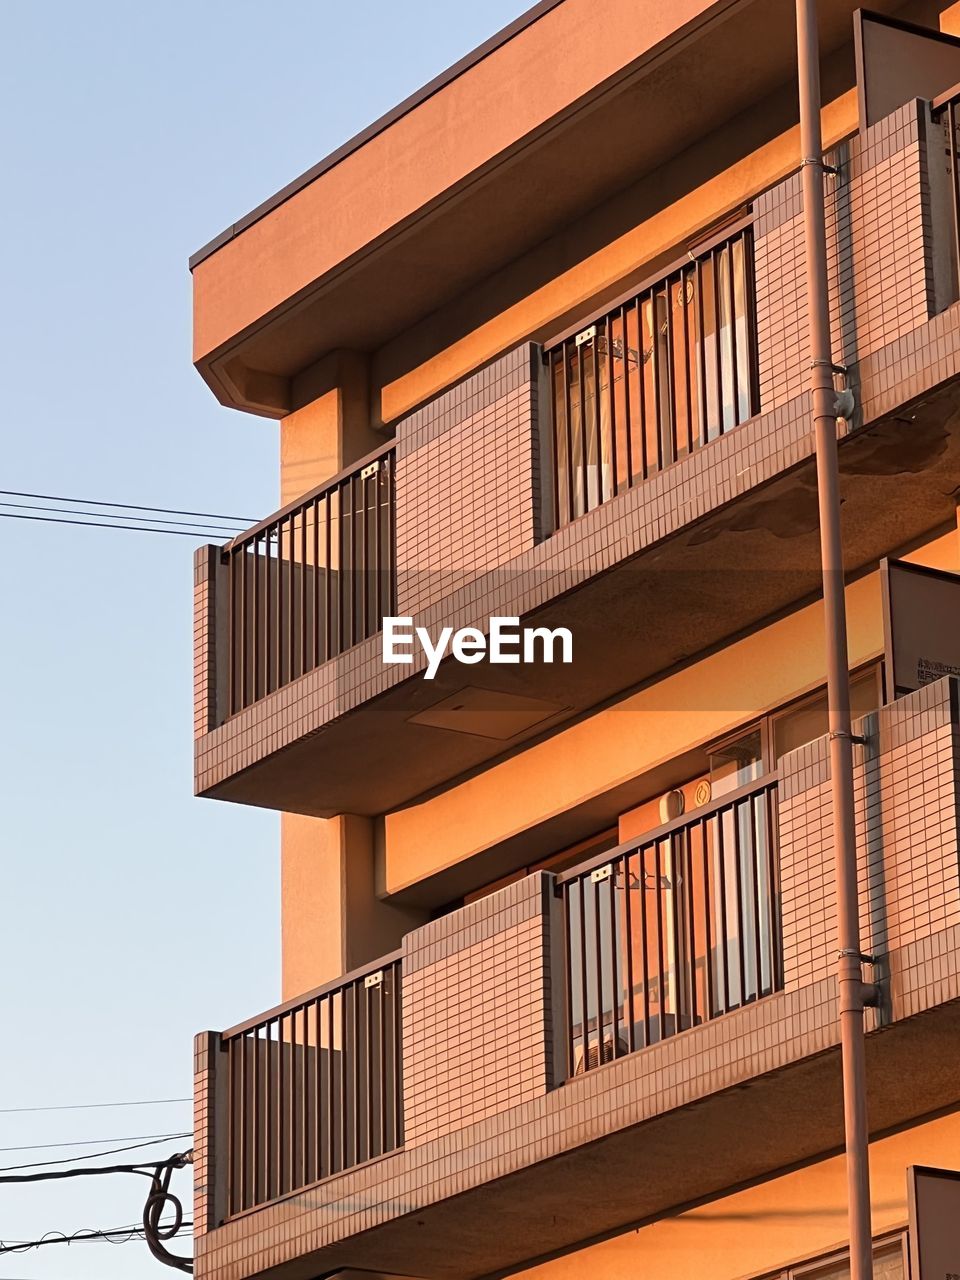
x,y
468,489
907,782
477,1024
878,245
204,640
205,1053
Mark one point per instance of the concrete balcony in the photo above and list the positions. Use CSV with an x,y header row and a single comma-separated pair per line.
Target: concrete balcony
x,y
716,533
319,1147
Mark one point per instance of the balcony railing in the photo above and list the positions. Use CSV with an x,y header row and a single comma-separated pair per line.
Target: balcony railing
x,y
311,580
661,374
946,110
313,1087
672,930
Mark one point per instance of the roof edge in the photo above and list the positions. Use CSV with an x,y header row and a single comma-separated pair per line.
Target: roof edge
x,y
439,82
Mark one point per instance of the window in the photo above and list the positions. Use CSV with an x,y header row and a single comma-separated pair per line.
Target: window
x,y
661,375
889,1263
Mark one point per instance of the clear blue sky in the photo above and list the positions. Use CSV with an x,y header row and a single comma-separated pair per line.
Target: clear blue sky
x,y
133,914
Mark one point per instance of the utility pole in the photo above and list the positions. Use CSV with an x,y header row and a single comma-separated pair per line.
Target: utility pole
x,y
852,991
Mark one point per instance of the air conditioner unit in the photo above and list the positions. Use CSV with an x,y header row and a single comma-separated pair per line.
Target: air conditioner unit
x,y
597,1056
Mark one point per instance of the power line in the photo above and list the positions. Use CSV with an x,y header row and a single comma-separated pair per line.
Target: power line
x,y
100,524
92,1106
86,1235
71,511
127,506
92,1142
92,1155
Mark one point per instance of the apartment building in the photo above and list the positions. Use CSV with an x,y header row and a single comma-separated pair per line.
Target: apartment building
x,y
559,938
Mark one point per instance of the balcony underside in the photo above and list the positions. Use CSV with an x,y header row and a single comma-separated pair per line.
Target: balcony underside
x,y
746,561
674,1160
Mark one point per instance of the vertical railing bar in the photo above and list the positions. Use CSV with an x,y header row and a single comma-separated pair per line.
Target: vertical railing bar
x,y
281,1100
392,536
258,1118
268,607
708,933
268,1114
553,362
598,961
732,290
655,362
691,921
644,943
344,1113
382,1087
584,992
596,413
316,583
332,1119
628,951
368,1101
614,976
755,877
738,885
234,628
675,904
292,1143
304,561
244,609
670,428
751,322
568,975
568,429
611,408
717,342
582,431
702,357
237,1130
658,877
341,570
357,1136
642,381
685,275
773,897
627,432
724,1004
954,182
292,606
256,617
281,599
328,580
397,1006
377,578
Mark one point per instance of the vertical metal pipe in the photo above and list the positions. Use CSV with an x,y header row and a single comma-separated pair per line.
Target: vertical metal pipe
x,y
849,971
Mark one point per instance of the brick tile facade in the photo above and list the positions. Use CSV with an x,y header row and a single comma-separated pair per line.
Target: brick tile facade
x,y
907,782
473,981
878,233
480,573
477,1036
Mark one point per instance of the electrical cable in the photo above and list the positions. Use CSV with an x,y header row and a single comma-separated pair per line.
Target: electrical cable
x,y
99,524
155,1230
231,530
93,1155
127,506
92,1142
92,1106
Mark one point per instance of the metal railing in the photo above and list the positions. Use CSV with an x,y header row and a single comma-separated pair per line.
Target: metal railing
x,y
661,374
313,1086
945,109
311,580
671,930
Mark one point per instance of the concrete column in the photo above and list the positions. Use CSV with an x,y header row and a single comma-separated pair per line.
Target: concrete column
x,y
330,426
333,920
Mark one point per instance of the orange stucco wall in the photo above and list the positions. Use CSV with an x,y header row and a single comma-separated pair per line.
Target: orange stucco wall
x,y
660,722
769,1226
